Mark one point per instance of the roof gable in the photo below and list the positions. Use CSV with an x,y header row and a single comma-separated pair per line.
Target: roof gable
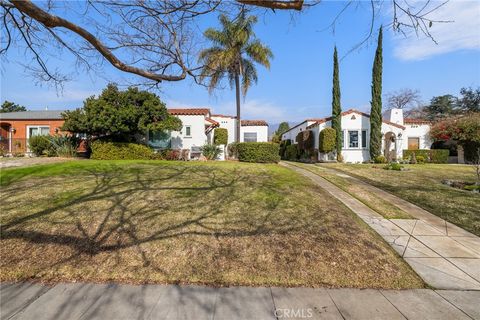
x,y
353,111
189,111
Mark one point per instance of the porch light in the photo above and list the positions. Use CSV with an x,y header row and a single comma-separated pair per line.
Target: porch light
x,y
56,130
400,135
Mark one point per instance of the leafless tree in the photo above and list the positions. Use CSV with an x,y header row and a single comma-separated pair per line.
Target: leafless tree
x,y
403,99
156,40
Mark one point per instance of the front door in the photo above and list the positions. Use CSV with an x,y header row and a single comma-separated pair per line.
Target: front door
x,y
413,143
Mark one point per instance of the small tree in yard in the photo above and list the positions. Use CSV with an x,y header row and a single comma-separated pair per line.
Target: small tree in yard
x,y
120,115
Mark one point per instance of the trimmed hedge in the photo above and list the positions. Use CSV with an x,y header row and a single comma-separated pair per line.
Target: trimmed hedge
x,y
220,136
120,150
263,152
291,152
305,140
327,140
432,156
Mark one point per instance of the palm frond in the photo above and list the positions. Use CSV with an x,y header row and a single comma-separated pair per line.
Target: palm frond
x,y
249,75
259,53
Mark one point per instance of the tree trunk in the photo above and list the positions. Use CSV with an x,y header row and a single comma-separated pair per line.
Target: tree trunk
x,y
237,89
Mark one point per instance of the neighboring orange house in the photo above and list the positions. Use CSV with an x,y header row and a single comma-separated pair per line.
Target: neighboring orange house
x,y
17,127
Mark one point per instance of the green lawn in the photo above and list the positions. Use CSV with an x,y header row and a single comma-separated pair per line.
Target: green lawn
x,y
217,223
421,185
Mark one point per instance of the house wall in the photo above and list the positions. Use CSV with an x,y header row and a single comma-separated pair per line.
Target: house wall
x,y
420,131
197,138
262,132
20,126
292,133
229,124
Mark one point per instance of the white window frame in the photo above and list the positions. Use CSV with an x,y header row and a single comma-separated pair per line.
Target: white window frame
x,y
37,126
256,136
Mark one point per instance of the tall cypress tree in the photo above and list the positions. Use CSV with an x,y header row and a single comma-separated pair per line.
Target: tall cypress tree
x,y
376,110
336,107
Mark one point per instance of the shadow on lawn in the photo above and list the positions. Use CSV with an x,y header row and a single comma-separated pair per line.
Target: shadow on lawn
x,y
139,207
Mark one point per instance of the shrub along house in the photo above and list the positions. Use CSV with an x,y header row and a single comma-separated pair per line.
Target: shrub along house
x,y
198,125
398,134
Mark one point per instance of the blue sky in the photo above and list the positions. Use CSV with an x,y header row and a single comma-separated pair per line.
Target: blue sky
x,y
298,85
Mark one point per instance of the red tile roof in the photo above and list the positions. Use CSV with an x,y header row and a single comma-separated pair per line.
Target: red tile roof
x,y
189,111
416,121
223,116
246,123
349,112
212,121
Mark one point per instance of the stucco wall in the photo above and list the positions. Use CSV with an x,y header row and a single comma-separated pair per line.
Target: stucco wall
x,y
420,131
20,126
229,124
262,132
198,137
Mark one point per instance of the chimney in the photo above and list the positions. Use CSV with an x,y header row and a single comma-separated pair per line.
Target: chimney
x,y
394,115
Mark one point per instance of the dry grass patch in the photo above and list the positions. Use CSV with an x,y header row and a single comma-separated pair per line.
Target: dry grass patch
x,y
173,222
422,185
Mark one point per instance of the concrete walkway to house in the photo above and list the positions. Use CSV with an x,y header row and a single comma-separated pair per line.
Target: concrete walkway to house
x,y
444,255
113,301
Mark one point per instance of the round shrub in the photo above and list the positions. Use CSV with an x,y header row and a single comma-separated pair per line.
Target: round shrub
x,y
380,159
232,150
220,136
120,150
291,152
39,145
263,152
327,140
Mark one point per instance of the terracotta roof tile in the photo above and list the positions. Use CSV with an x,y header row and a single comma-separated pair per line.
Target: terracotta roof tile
x,y
246,123
189,111
223,116
416,121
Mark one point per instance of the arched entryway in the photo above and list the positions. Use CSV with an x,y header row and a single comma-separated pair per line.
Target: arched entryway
x,y
390,146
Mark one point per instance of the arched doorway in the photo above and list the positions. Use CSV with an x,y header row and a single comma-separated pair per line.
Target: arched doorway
x,y
390,149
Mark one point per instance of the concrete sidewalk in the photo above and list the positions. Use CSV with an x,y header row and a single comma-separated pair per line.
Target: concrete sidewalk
x,y
444,255
112,301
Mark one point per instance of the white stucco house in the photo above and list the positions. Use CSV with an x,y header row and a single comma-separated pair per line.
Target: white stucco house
x,y
198,127
398,134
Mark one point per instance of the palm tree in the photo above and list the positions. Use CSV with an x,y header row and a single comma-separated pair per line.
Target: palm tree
x,y
234,54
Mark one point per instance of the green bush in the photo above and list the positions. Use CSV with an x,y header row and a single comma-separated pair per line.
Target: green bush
x,y
291,152
39,145
380,159
299,141
420,159
393,166
283,147
120,150
233,150
327,140
263,152
308,140
220,136
430,155
211,151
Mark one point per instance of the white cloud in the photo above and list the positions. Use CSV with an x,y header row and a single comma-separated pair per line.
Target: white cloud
x,y
462,33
